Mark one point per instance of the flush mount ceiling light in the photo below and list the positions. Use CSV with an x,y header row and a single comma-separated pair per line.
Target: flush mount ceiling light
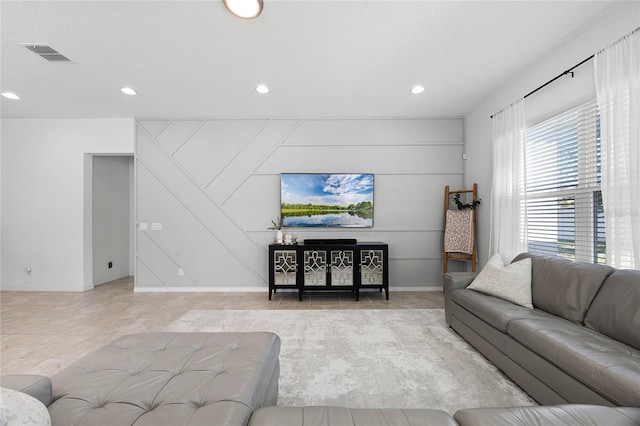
x,y
245,9
10,95
262,89
417,89
128,91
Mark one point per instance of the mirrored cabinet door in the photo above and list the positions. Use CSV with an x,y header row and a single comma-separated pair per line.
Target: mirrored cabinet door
x,y
342,267
315,268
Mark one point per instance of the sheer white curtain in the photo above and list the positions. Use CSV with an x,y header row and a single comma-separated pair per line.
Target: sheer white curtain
x,y
508,191
617,78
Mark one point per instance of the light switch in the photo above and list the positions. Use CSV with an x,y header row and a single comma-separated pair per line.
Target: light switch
x,y
156,226
143,226
180,272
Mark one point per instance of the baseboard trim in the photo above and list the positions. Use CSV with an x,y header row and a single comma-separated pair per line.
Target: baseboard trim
x,y
253,289
48,289
421,288
200,289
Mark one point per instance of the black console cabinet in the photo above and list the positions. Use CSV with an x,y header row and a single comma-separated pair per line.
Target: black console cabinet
x,y
329,265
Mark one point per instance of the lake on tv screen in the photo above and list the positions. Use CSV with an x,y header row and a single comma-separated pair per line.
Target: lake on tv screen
x,y
342,219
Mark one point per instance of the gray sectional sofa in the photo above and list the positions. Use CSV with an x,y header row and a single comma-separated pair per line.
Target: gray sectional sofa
x,y
579,345
581,342
562,415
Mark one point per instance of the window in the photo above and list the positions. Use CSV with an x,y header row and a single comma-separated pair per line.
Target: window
x,y
564,202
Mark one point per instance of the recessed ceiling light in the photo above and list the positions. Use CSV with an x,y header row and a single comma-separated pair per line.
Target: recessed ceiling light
x,y
246,9
10,95
128,91
417,89
262,89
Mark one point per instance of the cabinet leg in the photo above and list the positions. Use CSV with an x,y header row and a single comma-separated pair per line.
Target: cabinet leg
x,y
386,292
299,295
357,295
269,294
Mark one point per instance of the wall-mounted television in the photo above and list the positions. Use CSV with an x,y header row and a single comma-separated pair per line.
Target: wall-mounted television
x,y
326,200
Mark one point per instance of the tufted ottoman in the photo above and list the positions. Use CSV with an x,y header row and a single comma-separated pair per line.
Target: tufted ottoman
x,y
169,379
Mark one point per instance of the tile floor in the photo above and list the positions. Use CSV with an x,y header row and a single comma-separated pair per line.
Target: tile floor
x,y
43,332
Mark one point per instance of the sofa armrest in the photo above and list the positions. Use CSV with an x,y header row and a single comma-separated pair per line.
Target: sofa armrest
x,y
453,281
456,280
36,386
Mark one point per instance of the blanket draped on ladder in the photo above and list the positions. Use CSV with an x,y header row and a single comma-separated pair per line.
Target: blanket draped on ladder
x,y
458,234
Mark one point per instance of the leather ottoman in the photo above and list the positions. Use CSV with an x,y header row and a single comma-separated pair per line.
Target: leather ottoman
x,y
165,379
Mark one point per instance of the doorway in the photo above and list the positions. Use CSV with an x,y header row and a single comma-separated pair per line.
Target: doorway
x,y
112,214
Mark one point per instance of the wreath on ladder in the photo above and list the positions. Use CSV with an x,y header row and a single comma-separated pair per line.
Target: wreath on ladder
x,y
465,206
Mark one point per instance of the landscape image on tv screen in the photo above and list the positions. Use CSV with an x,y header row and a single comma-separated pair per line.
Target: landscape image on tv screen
x,y
330,200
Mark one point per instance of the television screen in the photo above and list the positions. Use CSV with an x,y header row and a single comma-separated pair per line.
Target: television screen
x,y
329,200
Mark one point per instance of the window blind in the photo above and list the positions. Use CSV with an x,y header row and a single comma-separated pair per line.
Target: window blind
x,y
564,202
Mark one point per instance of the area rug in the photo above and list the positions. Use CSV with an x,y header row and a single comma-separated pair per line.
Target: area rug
x,y
405,358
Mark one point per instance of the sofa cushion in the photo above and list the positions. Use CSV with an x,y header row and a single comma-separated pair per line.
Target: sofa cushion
x,y
493,310
609,367
510,282
168,379
341,416
616,309
549,416
562,287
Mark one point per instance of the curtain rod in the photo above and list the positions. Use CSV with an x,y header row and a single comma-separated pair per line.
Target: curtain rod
x,y
569,71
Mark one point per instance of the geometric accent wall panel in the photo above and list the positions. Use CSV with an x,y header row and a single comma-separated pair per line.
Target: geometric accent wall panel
x,y
372,159
236,171
153,127
185,242
413,205
145,277
213,145
258,190
161,263
214,186
377,132
412,272
175,133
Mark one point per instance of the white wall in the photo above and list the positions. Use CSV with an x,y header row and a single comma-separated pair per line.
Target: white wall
x,y
132,219
617,21
214,185
111,217
45,201
0,204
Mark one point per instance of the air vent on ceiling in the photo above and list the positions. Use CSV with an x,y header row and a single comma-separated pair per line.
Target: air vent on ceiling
x,y
47,53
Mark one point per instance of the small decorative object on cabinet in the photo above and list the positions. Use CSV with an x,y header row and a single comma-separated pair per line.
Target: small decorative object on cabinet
x,y
329,265
277,226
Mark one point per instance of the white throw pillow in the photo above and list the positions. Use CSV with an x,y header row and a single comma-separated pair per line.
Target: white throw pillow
x,y
18,408
510,282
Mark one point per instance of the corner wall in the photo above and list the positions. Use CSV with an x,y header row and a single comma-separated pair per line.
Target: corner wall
x,y
44,194
618,20
214,187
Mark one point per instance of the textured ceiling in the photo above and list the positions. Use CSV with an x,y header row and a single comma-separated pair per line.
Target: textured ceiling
x,y
320,58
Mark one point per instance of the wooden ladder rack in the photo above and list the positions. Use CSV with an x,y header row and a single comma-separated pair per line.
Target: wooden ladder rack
x,y
473,257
